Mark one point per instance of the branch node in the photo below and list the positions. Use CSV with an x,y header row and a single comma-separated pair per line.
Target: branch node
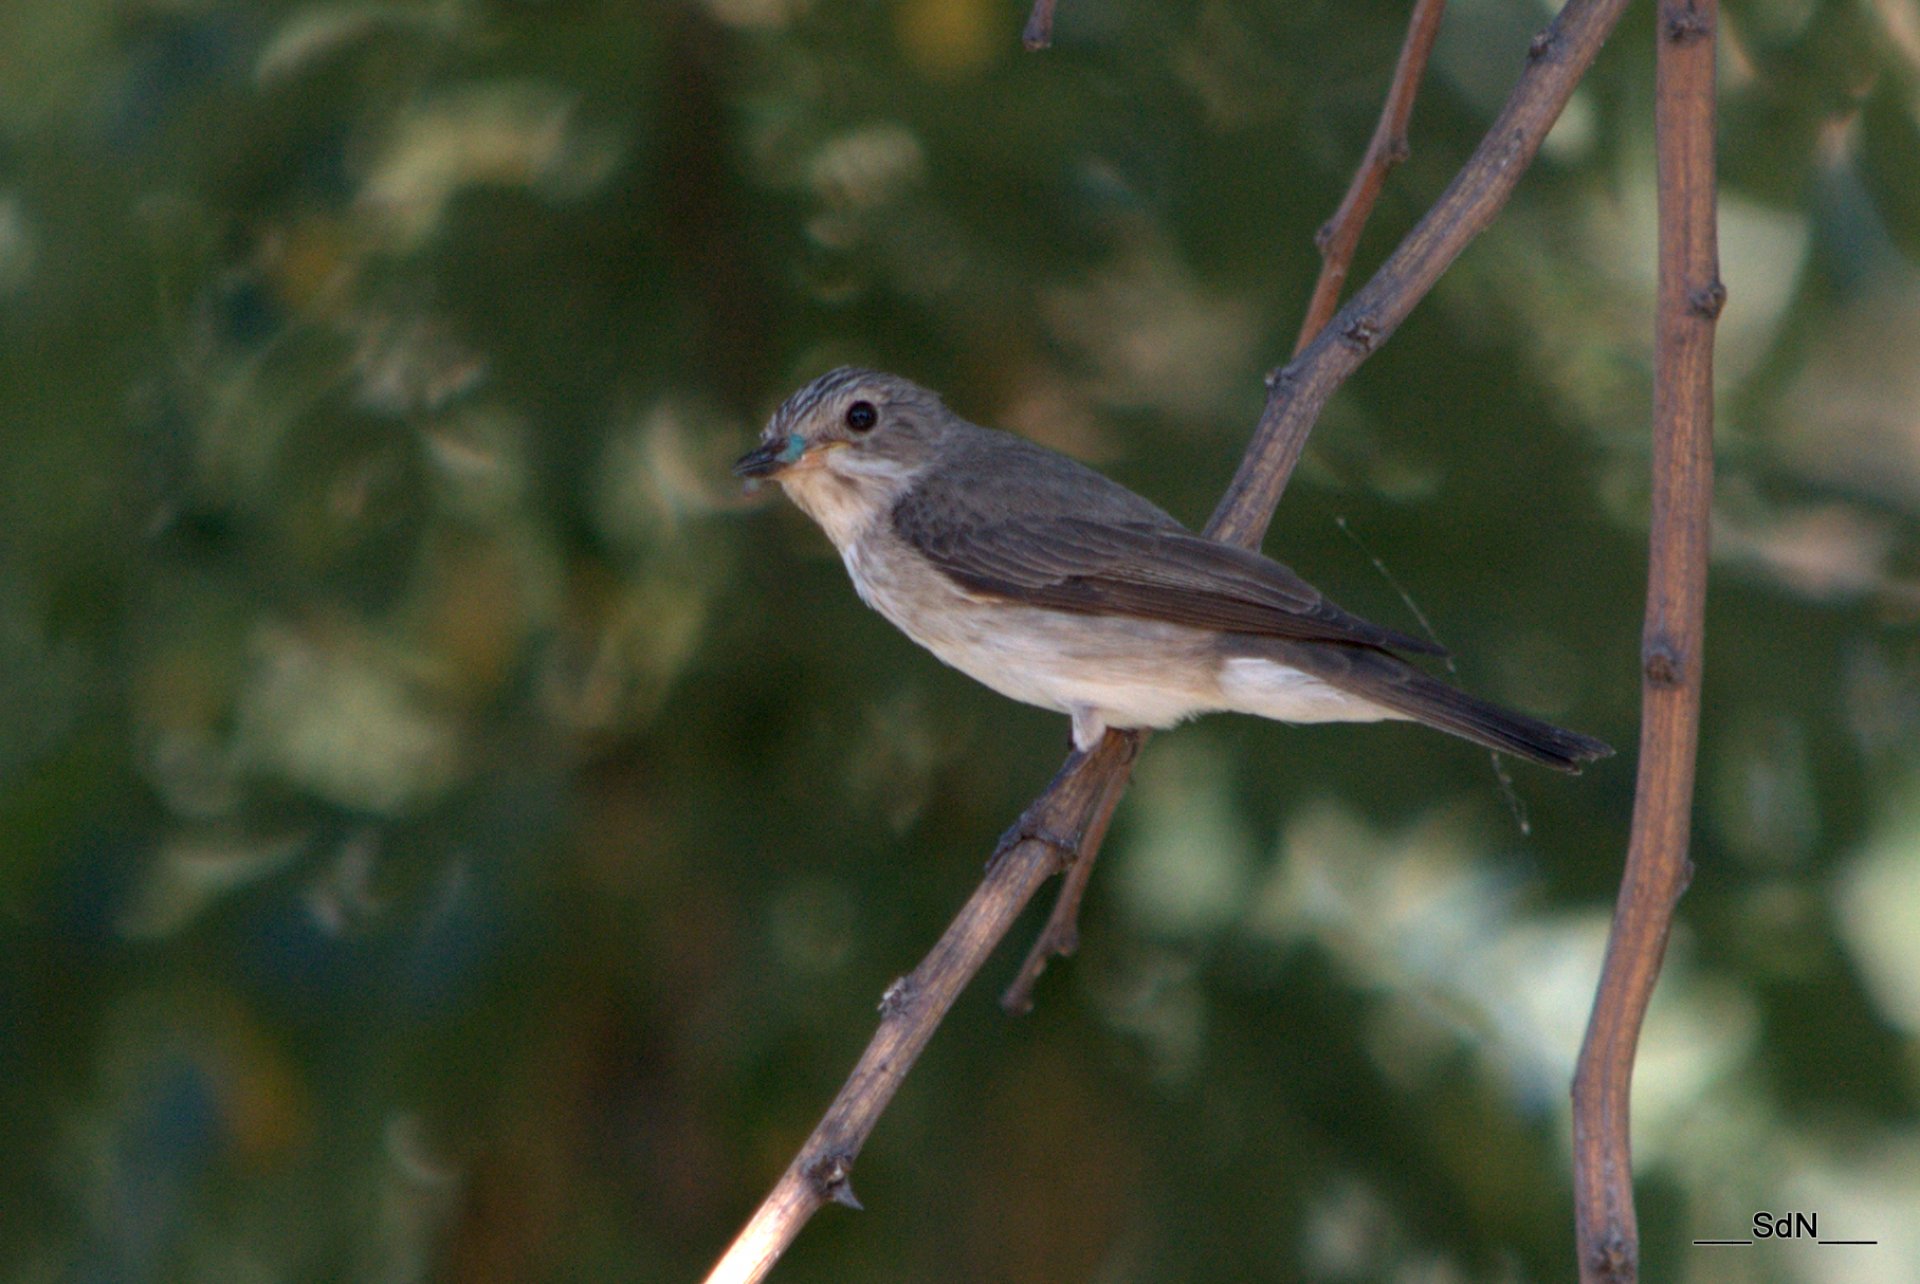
x,y
1323,238
1707,300
1662,663
898,997
1363,332
1544,44
1614,1257
1688,24
831,1176
1397,150
1279,377
1513,147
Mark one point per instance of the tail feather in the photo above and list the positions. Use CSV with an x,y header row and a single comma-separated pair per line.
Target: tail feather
x,y
1436,704
1393,684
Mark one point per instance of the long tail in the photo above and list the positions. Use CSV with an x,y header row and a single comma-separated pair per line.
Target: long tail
x,y
1392,683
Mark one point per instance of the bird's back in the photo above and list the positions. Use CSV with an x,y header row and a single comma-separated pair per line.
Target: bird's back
x,y
994,476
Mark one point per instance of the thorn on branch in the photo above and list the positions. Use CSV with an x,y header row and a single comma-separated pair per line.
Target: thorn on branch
x,y
898,997
1707,300
1687,24
831,1176
1662,664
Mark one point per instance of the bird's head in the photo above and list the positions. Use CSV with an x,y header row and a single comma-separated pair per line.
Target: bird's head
x,y
848,444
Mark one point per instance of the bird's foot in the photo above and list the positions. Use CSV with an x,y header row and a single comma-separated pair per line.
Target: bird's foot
x,y
1037,823
1032,826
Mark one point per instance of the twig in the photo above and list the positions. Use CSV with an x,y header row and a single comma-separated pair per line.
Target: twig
x,y
1061,936
1339,238
1557,59
1657,872
1039,32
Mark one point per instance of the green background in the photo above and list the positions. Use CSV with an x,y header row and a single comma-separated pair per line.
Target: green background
x,y
449,831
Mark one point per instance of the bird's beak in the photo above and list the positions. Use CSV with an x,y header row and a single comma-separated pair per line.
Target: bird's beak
x,y
769,457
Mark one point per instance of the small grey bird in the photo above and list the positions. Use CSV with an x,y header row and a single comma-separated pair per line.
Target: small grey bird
x,y
1060,587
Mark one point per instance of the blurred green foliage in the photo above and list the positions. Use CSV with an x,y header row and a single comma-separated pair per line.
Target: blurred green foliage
x,y
448,831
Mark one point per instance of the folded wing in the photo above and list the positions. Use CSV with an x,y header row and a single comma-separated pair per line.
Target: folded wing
x,y
1146,568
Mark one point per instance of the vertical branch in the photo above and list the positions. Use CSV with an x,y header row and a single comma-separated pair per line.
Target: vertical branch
x,y
1690,298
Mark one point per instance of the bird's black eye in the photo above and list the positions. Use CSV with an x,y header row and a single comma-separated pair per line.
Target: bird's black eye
x,y
861,416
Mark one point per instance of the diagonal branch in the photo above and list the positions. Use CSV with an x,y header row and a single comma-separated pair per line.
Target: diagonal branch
x,y
1338,240
1061,936
1657,872
1557,59
911,1010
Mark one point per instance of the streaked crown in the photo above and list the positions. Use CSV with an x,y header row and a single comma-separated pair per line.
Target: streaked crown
x,y
869,421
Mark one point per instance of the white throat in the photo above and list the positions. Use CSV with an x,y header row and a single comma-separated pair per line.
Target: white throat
x,y
846,492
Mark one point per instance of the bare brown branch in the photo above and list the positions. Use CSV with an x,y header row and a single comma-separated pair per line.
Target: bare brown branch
x,y
1082,797
1556,60
1657,872
1061,936
1340,238
911,1010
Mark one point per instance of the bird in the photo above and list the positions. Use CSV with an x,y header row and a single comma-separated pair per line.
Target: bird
x,y
1055,585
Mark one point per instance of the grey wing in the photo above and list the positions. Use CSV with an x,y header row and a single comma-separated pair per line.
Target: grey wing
x,y
1142,564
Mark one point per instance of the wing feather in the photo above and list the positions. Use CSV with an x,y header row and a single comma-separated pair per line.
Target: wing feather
x,y
1143,564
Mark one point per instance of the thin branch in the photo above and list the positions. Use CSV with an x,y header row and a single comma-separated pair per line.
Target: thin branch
x,y
1039,32
1340,237
912,1009
1338,240
1557,59
1672,642
1061,936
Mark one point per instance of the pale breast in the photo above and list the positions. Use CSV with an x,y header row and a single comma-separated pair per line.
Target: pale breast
x,y
1140,672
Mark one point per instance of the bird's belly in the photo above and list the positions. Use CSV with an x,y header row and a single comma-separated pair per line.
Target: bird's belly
x,y
1139,673
1134,673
